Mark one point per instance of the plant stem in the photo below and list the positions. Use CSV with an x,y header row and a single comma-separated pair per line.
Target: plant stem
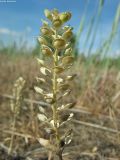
x,y
50,156
54,106
12,136
60,157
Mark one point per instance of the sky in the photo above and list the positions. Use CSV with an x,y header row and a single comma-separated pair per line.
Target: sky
x,y
21,19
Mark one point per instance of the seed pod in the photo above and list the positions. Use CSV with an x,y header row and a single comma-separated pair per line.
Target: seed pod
x,y
40,61
68,137
59,43
41,117
48,14
60,80
45,23
57,23
52,123
41,80
65,117
46,31
64,17
69,78
66,106
67,35
56,20
45,71
68,51
42,40
64,86
59,69
41,109
39,90
46,143
55,12
67,93
46,50
49,101
67,60
49,96
68,45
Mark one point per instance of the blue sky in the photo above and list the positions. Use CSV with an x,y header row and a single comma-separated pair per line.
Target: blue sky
x,y
22,19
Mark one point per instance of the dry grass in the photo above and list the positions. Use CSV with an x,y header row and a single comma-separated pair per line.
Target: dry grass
x,y
95,90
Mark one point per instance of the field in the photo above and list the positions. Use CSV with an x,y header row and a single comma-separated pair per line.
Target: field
x,y
60,99
97,109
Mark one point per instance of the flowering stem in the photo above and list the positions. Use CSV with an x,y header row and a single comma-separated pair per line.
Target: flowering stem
x,y
54,106
12,136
